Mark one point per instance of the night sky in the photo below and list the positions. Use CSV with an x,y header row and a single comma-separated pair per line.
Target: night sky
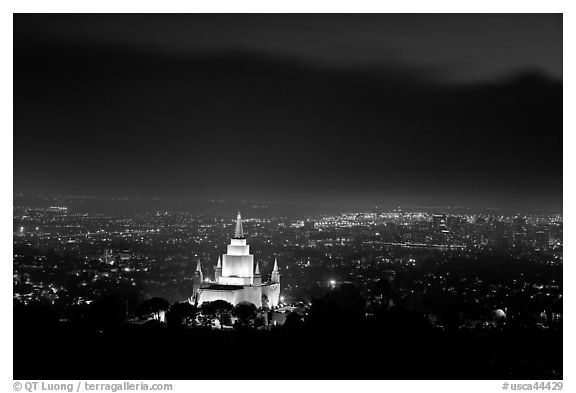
x,y
391,109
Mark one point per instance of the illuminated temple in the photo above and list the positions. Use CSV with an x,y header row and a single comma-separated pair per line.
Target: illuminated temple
x,y
236,277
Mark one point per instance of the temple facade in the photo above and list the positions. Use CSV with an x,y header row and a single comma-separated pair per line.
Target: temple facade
x,y
237,278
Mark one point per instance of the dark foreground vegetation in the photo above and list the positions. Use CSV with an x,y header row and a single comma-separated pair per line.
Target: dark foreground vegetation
x,y
333,340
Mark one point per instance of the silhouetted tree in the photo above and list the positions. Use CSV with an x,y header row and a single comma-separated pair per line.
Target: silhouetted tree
x,y
260,321
343,303
33,315
293,321
383,293
153,306
218,309
107,311
245,312
451,318
179,313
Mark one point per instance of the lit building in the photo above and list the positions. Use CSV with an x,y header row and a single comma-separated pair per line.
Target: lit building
x,y
236,277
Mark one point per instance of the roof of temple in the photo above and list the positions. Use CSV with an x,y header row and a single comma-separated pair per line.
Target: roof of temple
x,y
219,287
239,232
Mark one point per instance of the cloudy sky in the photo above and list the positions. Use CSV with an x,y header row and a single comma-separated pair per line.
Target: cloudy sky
x,y
395,109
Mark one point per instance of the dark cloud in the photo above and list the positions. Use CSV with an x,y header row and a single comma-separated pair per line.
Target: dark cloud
x,y
108,107
459,47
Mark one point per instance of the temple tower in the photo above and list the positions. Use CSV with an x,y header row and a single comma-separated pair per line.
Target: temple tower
x,y
237,263
275,272
257,277
218,270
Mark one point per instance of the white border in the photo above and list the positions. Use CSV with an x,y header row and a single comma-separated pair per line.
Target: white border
x,y
299,6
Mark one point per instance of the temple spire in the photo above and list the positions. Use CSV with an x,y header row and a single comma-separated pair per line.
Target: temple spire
x,y
218,270
275,269
198,272
239,232
275,277
257,271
